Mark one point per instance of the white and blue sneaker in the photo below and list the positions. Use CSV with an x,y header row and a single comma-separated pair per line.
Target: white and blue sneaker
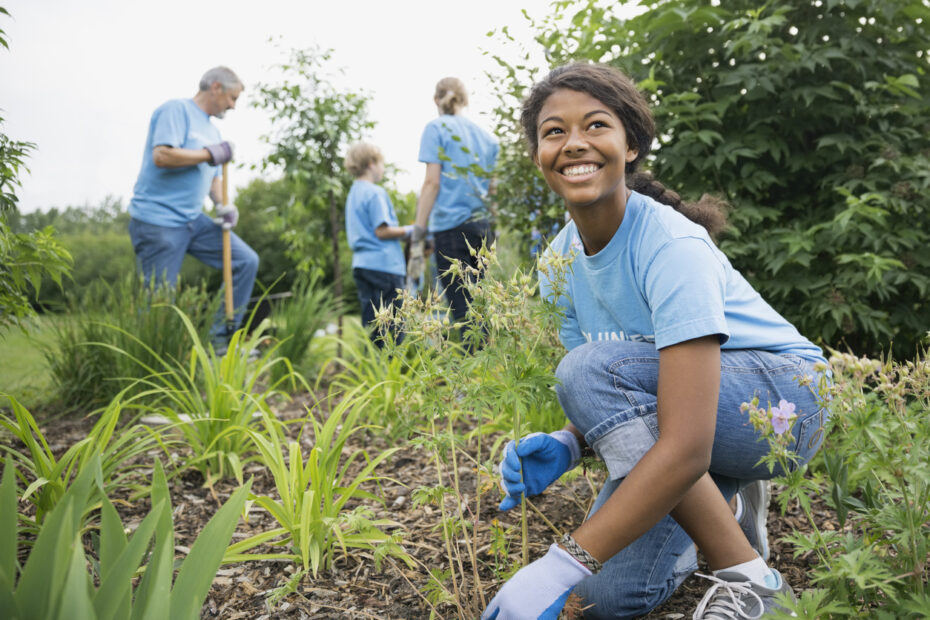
x,y
754,499
734,597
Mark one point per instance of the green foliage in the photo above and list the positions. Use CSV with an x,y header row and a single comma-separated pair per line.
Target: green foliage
x,y
46,477
313,123
315,493
298,318
811,120
874,472
55,583
213,400
24,258
128,317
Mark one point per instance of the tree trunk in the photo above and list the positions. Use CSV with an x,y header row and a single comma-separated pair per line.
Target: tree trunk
x,y
337,272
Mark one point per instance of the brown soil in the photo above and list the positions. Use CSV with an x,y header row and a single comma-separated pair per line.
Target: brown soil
x,y
354,588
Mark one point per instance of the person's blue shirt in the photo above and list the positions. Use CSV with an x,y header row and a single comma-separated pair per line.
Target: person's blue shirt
x,y
174,196
367,207
661,279
457,143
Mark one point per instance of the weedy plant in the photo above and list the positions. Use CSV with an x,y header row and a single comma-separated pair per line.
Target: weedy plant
x,y
874,472
314,493
55,583
380,373
214,400
46,478
128,316
298,319
498,376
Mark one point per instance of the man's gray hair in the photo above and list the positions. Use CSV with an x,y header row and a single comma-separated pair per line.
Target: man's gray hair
x,y
224,75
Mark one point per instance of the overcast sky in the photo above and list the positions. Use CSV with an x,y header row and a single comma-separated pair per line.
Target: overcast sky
x,y
82,77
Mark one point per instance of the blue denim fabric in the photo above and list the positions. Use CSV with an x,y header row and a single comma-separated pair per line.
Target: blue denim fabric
x,y
160,252
608,391
452,245
377,288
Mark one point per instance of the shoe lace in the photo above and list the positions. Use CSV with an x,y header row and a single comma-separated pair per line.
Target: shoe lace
x,y
725,598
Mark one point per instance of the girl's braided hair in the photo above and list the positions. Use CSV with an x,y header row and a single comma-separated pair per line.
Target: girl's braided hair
x,y
617,91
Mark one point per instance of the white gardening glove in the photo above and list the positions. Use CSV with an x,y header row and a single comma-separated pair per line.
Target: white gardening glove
x,y
539,590
226,216
416,261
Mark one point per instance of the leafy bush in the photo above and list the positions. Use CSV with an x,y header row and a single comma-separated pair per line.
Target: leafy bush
x,y
873,472
810,118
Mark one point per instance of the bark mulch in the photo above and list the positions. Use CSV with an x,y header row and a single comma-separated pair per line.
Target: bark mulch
x,y
354,588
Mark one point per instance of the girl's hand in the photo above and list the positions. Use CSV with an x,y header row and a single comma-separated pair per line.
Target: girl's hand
x,y
538,590
544,458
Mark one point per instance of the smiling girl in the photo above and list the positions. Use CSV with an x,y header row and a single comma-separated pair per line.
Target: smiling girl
x,y
666,340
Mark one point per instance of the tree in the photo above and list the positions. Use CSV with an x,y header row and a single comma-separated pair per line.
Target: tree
x,y
811,119
24,258
313,123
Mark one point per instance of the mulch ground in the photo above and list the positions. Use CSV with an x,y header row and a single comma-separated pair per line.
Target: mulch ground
x,y
354,588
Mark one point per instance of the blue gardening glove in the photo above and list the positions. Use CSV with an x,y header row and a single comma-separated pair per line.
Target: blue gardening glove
x,y
544,458
220,153
538,590
226,216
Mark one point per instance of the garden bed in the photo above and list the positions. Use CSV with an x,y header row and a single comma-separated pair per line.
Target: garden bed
x,y
355,588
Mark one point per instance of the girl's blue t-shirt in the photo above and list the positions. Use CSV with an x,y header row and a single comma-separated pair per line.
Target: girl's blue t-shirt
x,y
174,196
457,144
661,279
367,207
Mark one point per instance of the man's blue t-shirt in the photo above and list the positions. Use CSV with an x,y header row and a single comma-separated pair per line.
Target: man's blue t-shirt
x,y
367,207
174,196
661,279
457,143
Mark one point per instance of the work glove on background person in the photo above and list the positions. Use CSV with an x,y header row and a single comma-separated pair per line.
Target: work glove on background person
x,y
226,216
416,261
220,153
545,458
417,233
538,590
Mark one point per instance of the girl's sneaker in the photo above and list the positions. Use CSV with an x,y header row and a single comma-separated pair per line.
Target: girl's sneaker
x,y
755,500
733,597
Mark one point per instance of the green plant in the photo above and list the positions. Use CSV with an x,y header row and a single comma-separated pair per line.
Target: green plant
x,y
809,118
380,373
213,400
873,472
315,493
129,317
54,582
298,318
47,478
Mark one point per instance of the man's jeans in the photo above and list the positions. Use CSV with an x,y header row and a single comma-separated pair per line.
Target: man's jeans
x,y
608,390
160,251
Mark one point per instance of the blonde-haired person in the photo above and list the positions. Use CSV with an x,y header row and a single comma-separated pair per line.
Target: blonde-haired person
x,y
453,201
374,235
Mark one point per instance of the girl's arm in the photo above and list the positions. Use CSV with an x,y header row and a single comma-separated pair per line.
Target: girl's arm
x,y
428,194
665,478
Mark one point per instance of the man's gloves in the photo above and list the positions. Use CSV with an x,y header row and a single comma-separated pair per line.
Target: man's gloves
x,y
220,153
226,216
544,457
538,590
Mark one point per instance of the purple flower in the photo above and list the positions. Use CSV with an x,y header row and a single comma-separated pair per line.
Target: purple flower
x,y
782,415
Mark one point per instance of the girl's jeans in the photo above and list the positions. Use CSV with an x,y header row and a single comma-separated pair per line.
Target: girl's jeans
x,y
608,390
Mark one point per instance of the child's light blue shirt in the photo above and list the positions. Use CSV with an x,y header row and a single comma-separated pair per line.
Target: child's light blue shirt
x,y
457,143
661,279
174,196
367,207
